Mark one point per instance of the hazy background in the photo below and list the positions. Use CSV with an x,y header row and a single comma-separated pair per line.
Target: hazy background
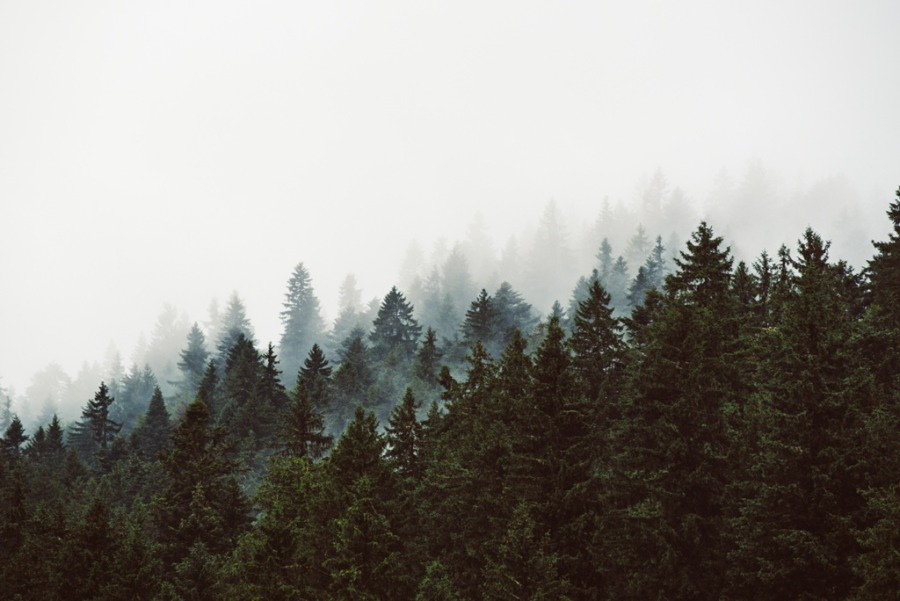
x,y
172,152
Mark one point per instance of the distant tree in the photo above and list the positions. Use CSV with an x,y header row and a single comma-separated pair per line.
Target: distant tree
x,y
396,332
135,392
427,358
301,319
605,262
638,247
234,323
513,313
617,285
193,363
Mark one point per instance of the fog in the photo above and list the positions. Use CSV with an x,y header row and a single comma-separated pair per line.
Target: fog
x,y
157,156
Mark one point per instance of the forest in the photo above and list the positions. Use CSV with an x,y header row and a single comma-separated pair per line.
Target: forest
x,y
701,428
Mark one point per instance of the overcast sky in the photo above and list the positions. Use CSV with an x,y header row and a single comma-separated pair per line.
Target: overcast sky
x,y
155,152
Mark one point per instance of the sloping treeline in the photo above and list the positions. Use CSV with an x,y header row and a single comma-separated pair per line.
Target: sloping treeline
x,y
734,437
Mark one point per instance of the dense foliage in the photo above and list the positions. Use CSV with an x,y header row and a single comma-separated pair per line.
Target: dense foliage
x,y
701,431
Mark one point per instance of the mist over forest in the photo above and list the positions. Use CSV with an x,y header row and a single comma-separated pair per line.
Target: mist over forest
x,y
560,244
447,301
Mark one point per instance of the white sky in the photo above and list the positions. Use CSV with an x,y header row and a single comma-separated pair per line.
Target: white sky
x,y
156,152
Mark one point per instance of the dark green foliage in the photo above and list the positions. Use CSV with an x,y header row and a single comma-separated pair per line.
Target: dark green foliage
x,y
151,436
404,437
303,432
14,438
396,332
740,443
480,324
200,502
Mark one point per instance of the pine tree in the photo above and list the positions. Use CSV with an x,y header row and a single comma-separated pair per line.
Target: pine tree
x,y
596,344
513,313
884,269
301,319
427,358
96,414
352,381
208,390
404,437
200,501
396,332
152,435
304,427
664,485
480,324
798,502
14,438
234,323
193,363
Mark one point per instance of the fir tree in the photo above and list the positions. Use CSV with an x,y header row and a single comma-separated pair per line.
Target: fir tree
x,y
14,438
193,363
396,332
301,319
404,437
151,436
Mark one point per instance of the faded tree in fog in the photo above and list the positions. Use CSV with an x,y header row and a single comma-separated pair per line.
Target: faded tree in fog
x,y
302,321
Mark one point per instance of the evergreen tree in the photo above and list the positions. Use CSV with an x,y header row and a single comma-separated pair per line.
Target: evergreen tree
x,y
352,381
513,313
618,285
200,501
659,531
396,332
798,502
193,363
96,414
151,436
480,324
234,323
597,346
208,390
427,358
884,269
304,427
301,319
605,262
14,438
135,392
404,437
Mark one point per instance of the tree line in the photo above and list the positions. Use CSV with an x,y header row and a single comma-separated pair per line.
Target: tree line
x,y
731,434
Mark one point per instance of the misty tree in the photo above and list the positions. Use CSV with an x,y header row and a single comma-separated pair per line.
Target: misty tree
x,y
135,393
638,247
233,323
605,261
456,280
303,430
513,313
301,319
550,262
350,313
352,381
617,286
193,363
427,358
168,335
395,331
480,324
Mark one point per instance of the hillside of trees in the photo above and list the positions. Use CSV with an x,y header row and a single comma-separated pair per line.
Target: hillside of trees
x,y
696,428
